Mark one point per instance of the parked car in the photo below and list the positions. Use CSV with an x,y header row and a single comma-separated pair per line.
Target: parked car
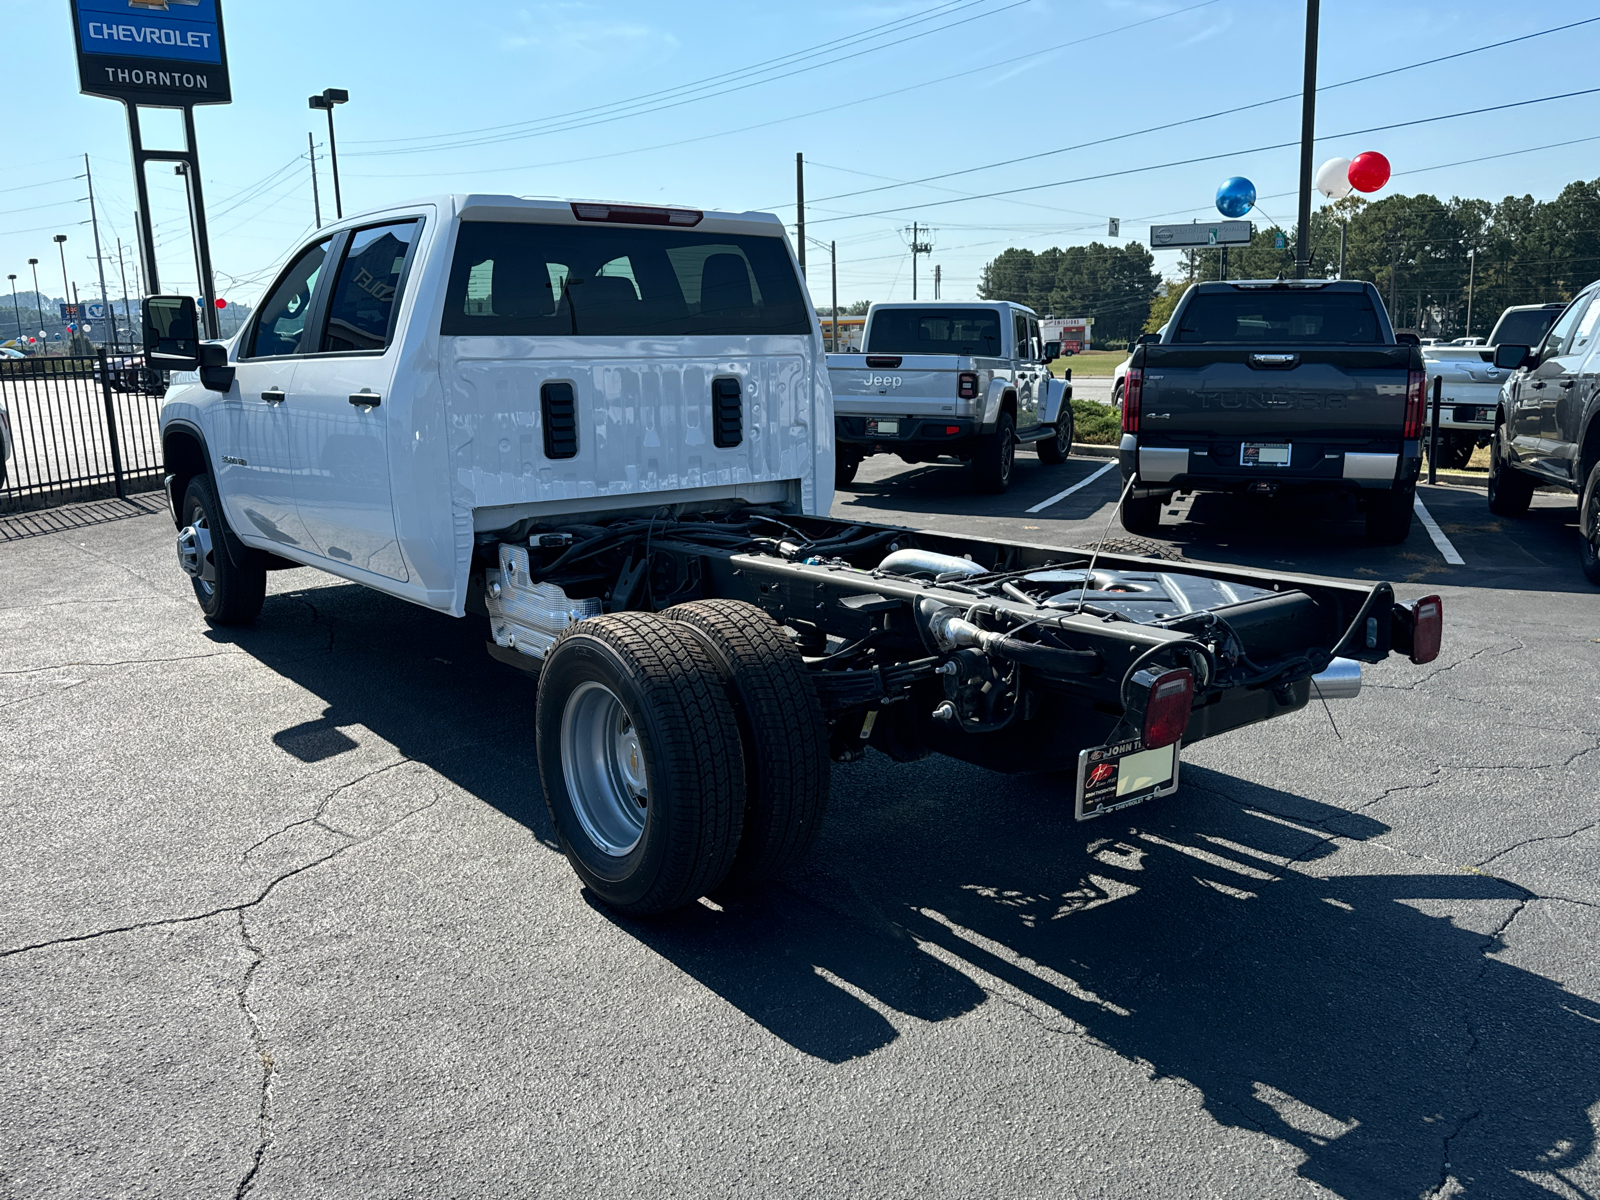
x,y
7,352
5,443
1547,424
940,380
1272,386
606,432
1470,382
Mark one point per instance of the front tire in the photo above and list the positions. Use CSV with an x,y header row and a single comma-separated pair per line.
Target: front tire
x,y
1510,491
995,455
640,760
1589,526
1053,451
783,731
845,467
228,594
1389,516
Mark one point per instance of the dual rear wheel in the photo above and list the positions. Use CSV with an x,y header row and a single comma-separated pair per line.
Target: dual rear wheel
x,y
681,754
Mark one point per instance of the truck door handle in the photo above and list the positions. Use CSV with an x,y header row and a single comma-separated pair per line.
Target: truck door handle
x,y
275,396
1536,384
366,399
1566,383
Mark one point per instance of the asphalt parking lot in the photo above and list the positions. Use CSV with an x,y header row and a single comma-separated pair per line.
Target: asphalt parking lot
x,y
281,914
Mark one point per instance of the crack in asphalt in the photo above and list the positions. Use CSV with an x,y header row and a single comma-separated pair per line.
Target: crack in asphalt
x,y
261,897
1460,662
258,1043
322,808
126,662
1547,837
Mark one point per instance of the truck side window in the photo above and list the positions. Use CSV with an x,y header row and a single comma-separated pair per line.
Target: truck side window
x,y
361,313
1019,324
1557,340
280,329
1583,337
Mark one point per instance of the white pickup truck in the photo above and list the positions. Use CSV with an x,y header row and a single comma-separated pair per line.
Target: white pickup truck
x,y
605,432
946,380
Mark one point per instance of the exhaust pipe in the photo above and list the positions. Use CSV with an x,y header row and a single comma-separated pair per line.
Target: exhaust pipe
x,y
1340,681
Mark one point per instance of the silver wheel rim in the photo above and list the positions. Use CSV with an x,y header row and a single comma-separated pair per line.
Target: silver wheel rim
x,y
197,553
602,761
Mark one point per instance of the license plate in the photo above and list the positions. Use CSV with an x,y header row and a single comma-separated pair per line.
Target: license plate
x,y
883,426
1264,454
1123,774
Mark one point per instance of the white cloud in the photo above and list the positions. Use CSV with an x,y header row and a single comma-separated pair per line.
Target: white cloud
x,y
572,27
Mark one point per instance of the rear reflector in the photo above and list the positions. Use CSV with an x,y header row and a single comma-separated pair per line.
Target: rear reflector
x,y
888,361
1427,629
634,214
1132,394
952,429
1166,713
967,385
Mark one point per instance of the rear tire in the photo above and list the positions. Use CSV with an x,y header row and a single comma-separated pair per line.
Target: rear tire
x,y
1389,516
1456,452
1589,526
995,455
227,594
1142,514
1116,394
784,734
1053,451
845,467
640,759
1510,491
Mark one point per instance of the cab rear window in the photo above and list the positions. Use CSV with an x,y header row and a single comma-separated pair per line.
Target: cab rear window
x,y
935,331
1287,317
521,279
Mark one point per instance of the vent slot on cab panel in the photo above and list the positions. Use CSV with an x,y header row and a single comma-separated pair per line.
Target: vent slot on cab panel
x,y
560,420
727,413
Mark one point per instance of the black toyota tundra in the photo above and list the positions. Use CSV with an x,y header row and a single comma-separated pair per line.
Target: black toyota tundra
x,y
1272,386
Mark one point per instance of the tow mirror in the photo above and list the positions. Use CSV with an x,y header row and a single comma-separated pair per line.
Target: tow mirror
x,y
1508,356
171,333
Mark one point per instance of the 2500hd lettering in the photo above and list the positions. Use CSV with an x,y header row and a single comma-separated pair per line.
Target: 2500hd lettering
x,y
606,432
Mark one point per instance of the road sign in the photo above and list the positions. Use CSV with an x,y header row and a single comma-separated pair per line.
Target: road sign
x,y
69,312
95,310
1113,227
1201,233
155,52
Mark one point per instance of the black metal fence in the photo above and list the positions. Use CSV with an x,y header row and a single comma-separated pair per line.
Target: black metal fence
x,y
81,429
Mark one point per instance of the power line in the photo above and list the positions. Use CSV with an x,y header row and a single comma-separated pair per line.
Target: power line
x,y
1183,162
606,120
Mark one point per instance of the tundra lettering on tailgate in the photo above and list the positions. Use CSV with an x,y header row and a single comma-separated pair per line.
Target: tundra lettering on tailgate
x,y
1271,401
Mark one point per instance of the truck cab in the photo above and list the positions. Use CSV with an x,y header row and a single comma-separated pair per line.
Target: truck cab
x,y
968,381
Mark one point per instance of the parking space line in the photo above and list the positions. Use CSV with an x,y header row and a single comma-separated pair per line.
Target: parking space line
x,y
1451,556
1082,483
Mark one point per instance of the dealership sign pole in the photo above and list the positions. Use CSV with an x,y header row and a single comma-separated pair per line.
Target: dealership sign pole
x,y
158,54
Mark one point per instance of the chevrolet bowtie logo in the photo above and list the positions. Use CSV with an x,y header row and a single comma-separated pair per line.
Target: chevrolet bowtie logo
x,y
162,5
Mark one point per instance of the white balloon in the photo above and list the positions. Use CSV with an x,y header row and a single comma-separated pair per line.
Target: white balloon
x,y
1333,178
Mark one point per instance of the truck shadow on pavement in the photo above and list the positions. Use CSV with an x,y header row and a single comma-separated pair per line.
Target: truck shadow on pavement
x,y
1376,1021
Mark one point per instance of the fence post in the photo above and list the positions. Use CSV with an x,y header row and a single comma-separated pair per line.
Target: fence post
x,y
112,433
1433,434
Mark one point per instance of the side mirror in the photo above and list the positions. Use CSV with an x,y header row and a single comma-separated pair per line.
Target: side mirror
x,y
1407,339
1147,339
1052,351
215,373
171,333
1508,356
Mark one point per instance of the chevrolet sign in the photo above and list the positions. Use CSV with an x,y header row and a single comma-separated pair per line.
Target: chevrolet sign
x,y
155,52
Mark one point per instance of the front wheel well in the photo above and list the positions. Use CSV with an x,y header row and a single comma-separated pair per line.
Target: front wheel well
x,y
184,458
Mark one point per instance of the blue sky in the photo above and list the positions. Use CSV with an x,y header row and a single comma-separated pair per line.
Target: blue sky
x,y
968,83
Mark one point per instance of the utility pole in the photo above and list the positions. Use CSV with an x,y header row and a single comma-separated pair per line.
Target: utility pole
x,y
833,259
1344,228
316,196
327,101
800,209
917,247
1308,120
1394,271
99,262
123,268
1472,266
936,273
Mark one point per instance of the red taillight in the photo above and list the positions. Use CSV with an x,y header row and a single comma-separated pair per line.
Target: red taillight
x,y
637,214
1132,394
1416,402
967,385
952,429
1427,629
1166,712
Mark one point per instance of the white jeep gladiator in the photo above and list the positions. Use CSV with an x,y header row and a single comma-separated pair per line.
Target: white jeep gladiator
x,y
605,431
947,380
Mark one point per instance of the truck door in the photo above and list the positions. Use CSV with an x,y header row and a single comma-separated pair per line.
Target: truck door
x,y
251,438
1561,427
1542,389
1023,373
340,408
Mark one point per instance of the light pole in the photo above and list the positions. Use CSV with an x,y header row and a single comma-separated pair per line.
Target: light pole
x,y
15,306
327,101
33,264
1472,266
66,287
1308,120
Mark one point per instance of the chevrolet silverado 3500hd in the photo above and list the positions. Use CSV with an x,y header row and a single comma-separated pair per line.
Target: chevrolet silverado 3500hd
x,y
606,431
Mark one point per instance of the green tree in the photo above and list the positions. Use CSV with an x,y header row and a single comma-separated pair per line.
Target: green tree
x,y
1112,284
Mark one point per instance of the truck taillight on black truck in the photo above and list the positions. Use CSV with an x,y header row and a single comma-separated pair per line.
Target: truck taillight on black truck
x,y
630,489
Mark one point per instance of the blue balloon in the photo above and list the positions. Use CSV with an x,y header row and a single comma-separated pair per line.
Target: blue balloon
x,y
1236,197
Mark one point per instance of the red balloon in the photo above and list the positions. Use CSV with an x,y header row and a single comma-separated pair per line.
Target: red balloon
x,y
1369,171
221,303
